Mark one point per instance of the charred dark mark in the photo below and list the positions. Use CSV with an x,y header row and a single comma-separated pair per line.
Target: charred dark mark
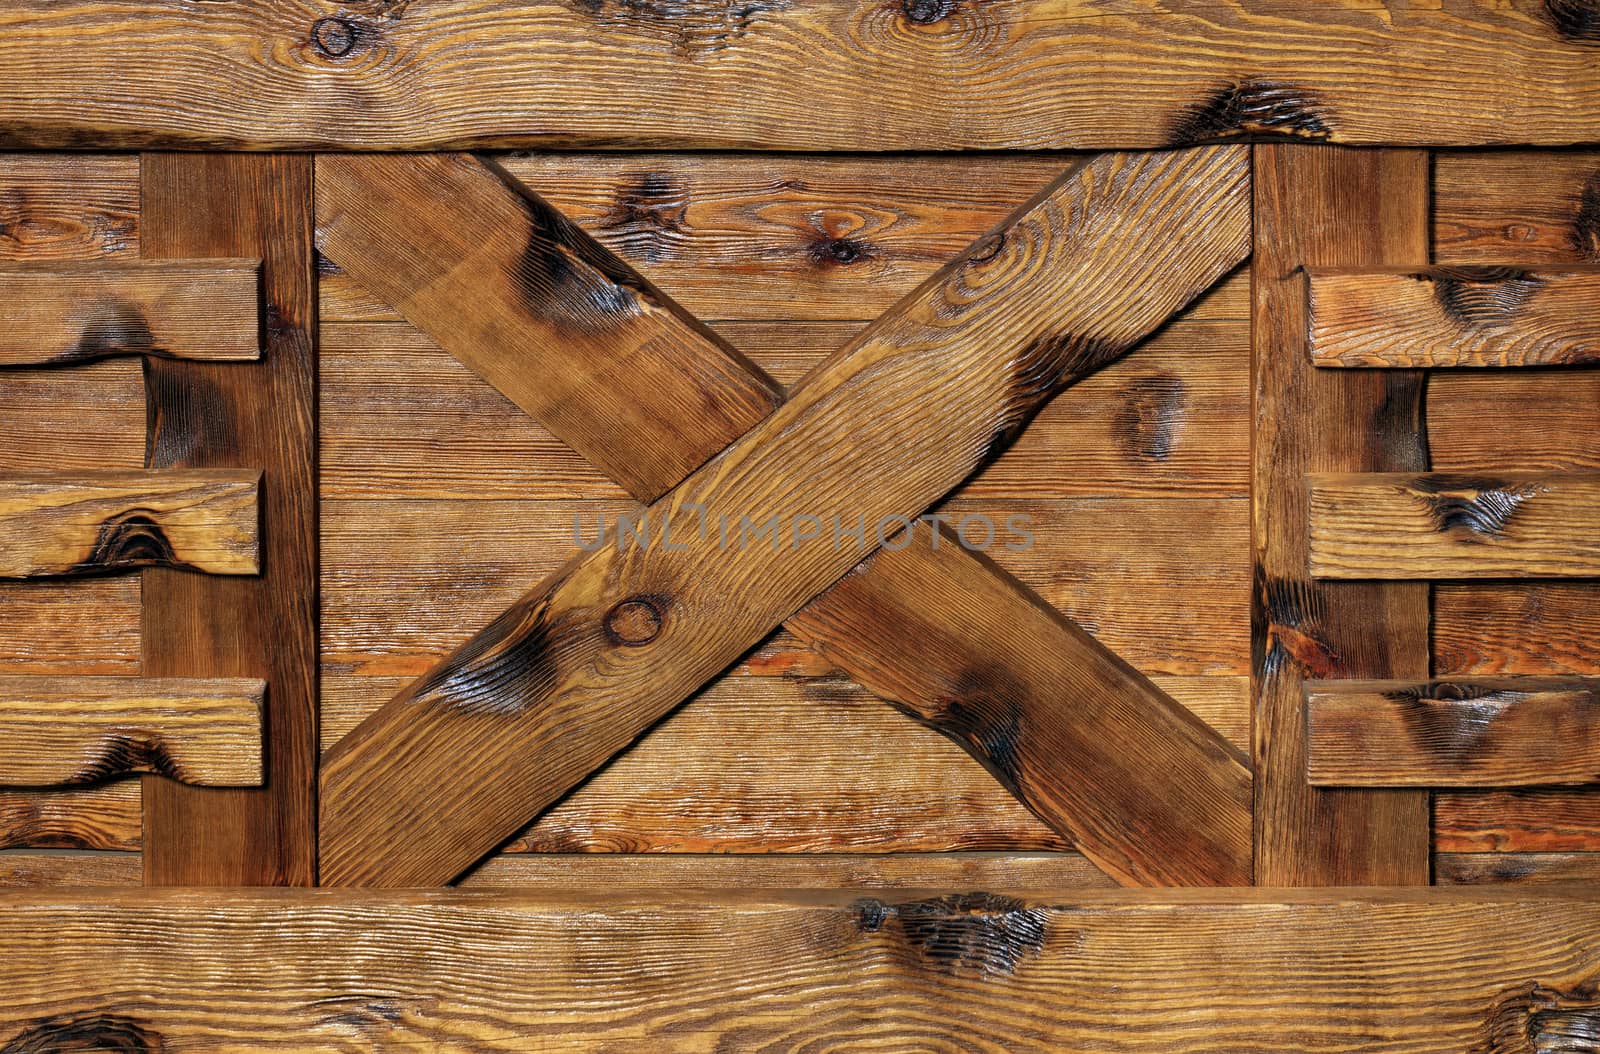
x,y
1468,507
122,754
336,37
1151,414
508,667
568,278
1039,369
1575,20
1456,727
980,934
374,1014
188,417
689,28
840,252
1257,109
1534,1019
1481,296
1586,222
927,12
648,216
983,711
114,327
1289,632
129,539
105,1033
638,620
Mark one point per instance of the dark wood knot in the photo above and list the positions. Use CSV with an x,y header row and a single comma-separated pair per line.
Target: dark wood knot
x,y
334,37
635,621
926,12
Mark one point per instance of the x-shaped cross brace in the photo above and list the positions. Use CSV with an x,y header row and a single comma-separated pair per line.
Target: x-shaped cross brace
x,y
584,664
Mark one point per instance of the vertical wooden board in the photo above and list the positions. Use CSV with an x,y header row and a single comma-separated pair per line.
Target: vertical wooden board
x,y
1328,207
241,415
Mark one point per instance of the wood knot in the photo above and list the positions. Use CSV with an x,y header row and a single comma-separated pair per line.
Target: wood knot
x,y
635,621
927,12
334,37
842,251
1576,20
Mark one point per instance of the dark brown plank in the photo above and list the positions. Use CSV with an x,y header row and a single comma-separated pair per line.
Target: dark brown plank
x,y
68,206
1537,206
259,415
101,817
1321,207
1487,628
1473,869
1530,820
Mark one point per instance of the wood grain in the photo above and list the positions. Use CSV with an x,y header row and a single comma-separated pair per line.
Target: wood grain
x,y
61,731
1042,73
90,523
105,816
444,237
1467,732
1525,820
496,970
1487,628
263,415
54,313
47,870
902,392
1328,208
73,206
1535,206
1457,316
1472,869
1395,525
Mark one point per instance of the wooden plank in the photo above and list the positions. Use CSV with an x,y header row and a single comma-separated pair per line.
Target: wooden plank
x,y
54,313
1468,732
226,414
496,970
907,386
73,206
92,421
1487,628
100,817
443,236
1472,869
67,730
1455,316
1527,820
1139,75
90,523
46,631
1554,414
1328,208
1538,206
1397,525
30,870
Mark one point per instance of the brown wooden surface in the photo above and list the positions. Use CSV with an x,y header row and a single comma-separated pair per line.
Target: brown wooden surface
x,y
47,869
1524,820
54,313
1532,206
100,817
1468,732
1455,316
260,415
1394,525
498,970
65,730
1320,207
1474,869
90,523
874,386
1044,73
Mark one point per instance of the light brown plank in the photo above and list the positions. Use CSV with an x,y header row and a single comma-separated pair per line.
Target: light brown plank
x,y
1531,820
101,817
72,206
1553,414
1458,316
1045,73
1396,525
1467,732
1537,206
1472,869
444,236
1485,628
496,970
46,631
1327,208
38,870
726,603
66,730
88,523
263,415
89,420
54,313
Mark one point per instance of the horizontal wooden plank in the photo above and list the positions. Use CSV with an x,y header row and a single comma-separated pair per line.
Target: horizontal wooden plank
x,y
1467,732
1408,526
200,520
54,313
1459,316
68,206
46,631
30,870
670,874
1521,628
485,970
1527,820
1136,75
67,730
105,816
1471,869
1537,206
89,420
1553,414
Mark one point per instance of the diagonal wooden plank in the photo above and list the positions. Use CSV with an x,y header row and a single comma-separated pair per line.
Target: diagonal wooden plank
x,y
585,663
65,730
911,75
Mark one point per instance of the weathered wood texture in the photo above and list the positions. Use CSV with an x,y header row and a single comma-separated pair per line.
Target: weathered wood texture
x,y
874,386
1139,75
1473,869
54,313
1320,207
89,523
88,729
1456,316
261,415
45,869
497,970
1534,206
1395,525
106,816
1468,732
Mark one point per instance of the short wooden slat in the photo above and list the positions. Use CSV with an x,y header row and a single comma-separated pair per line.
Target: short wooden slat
x,y
1041,73
1521,820
1487,316
913,383
1423,972
1469,732
1539,206
1525,869
109,521
103,816
55,313
1394,525
48,870
58,731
